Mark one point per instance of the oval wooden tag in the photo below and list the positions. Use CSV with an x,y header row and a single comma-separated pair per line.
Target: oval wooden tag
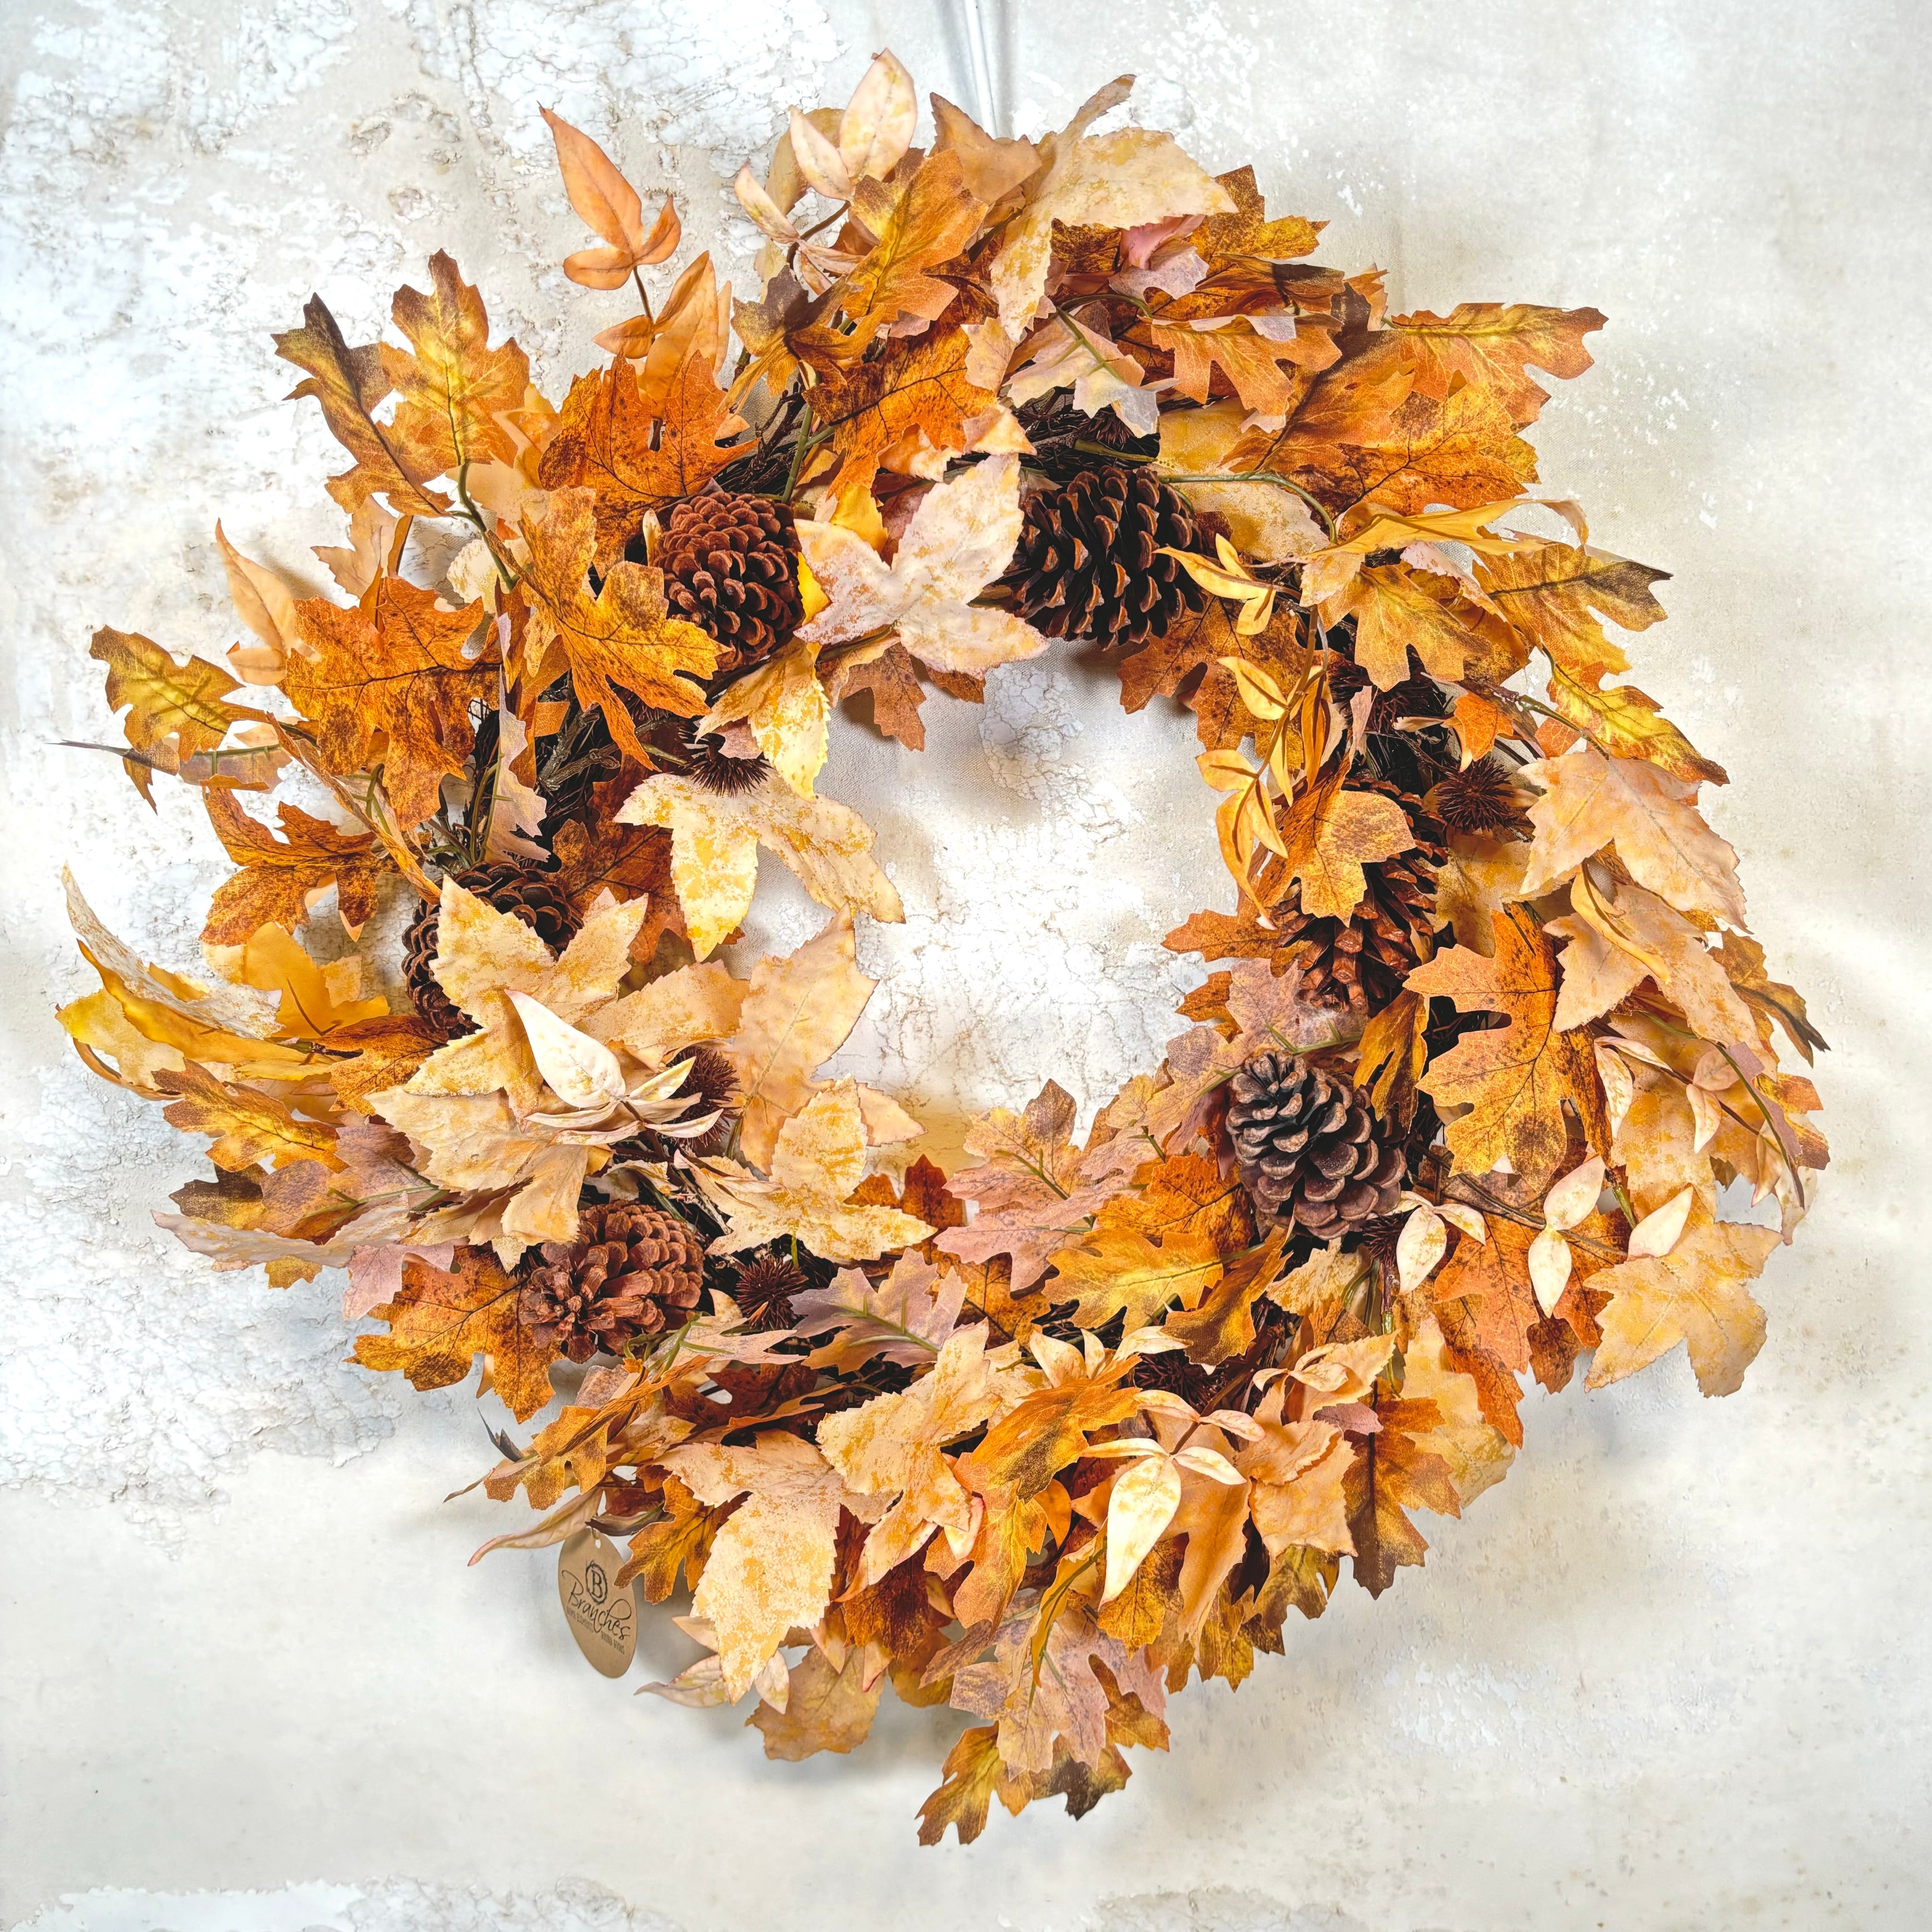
x,y
602,1615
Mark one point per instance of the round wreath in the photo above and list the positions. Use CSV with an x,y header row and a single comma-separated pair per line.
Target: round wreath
x,y
1039,1439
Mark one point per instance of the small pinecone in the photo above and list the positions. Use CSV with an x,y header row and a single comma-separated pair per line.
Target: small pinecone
x,y
523,891
1360,962
1055,424
1482,798
1308,1149
764,1291
730,566
632,1271
1087,564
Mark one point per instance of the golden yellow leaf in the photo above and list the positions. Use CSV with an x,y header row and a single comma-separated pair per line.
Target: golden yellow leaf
x,y
1330,832
715,841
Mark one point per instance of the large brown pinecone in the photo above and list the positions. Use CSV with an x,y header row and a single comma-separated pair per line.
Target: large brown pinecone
x,y
1360,962
1307,1145
528,893
632,1271
730,567
1088,564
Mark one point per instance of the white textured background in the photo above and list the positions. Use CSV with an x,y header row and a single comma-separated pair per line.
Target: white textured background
x,y
1673,1674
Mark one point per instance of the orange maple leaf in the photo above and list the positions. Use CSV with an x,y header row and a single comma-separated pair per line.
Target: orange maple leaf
x,y
889,414
280,878
1516,1080
386,681
453,388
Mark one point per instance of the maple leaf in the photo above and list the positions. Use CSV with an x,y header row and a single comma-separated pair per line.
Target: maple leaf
x,y
609,206
630,862
638,449
771,1562
786,710
451,391
827,1707
387,681
1695,1295
892,681
281,879
1490,345
933,217
1516,1080
715,841
1398,609
1113,1269
890,1447
1126,179
960,538
797,1013
1626,722
1028,1193
623,639
248,1126
350,384
1552,591
913,402
1330,833
442,1319
176,711
818,1160
1589,801
991,168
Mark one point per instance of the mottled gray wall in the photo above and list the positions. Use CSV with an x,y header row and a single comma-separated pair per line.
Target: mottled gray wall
x,y
1672,1674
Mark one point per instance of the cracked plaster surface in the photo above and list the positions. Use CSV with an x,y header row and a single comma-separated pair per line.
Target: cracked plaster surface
x,y
1672,1674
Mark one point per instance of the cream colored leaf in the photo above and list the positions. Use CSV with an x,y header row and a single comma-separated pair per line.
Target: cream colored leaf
x,y
1141,1506
788,711
267,606
693,1004
714,852
1423,1241
877,127
579,1070
1658,1232
819,161
961,538
1573,1198
1550,1264
1126,179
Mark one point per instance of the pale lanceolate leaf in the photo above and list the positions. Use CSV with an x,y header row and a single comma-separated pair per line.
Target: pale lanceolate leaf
x,y
1550,1264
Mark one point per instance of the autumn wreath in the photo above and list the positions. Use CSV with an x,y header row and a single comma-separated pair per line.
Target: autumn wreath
x,y
1039,1439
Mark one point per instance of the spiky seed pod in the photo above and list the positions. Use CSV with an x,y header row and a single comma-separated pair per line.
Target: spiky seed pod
x,y
730,567
1360,962
1483,799
711,769
632,1272
1055,425
1088,562
525,892
764,1291
1308,1147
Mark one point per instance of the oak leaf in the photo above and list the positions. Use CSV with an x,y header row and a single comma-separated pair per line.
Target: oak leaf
x,y
442,1319
248,1126
827,1707
715,841
1551,593
623,639
1398,610
1628,723
1517,1079
1330,832
387,681
1116,1269
175,712
1490,345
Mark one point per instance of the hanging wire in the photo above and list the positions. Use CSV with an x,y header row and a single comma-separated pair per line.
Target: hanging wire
x,y
974,27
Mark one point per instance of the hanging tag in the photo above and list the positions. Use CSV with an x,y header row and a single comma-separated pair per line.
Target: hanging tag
x,y
602,1615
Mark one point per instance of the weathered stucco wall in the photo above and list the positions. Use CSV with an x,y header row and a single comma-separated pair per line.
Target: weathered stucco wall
x,y
1673,1673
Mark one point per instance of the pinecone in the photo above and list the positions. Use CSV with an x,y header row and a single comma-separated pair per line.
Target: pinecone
x,y
1307,1147
1087,564
530,895
632,1271
730,566
1360,962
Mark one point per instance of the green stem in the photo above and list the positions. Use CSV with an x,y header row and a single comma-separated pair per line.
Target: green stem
x,y
1256,476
